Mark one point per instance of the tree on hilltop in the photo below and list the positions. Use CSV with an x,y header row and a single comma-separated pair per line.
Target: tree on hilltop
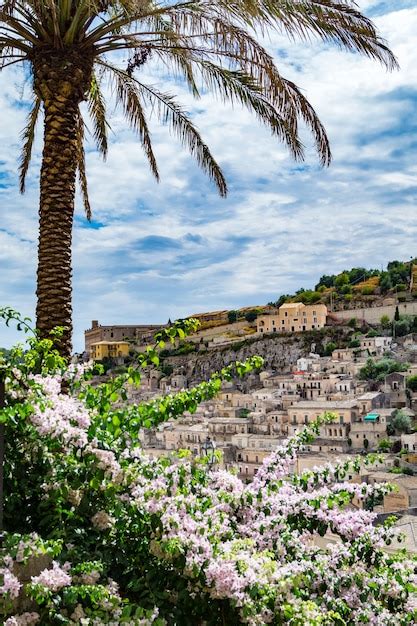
x,y
73,49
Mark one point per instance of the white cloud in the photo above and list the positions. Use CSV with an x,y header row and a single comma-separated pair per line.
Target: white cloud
x,y
281,227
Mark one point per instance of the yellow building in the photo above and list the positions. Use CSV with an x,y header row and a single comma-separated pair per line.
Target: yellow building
x,y
293,317
109,350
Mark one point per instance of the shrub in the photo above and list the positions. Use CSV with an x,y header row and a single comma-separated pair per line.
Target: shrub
x,y
353,322
167,369
232,316
385,321
412,383
251,316
341,280
367,291
377,370
329,348
354,343
133,540
384,445
345,289
401,421
403,326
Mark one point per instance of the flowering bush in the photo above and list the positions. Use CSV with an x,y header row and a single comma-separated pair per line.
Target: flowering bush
x,y
99,533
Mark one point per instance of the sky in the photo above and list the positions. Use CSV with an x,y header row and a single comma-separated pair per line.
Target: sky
x,y
168,250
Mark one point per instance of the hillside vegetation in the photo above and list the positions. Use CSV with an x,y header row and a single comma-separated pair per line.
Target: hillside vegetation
x,y
359,287
352,288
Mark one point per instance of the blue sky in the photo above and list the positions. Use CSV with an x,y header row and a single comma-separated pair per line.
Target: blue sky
x,y
173,249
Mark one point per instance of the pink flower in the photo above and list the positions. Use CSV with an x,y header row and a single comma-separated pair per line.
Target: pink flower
x,y
11,584
54,579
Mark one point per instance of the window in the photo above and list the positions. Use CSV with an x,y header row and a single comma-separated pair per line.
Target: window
x,y
314,313
286,313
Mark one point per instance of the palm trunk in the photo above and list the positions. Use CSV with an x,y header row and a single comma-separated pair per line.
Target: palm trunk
x,y
61,81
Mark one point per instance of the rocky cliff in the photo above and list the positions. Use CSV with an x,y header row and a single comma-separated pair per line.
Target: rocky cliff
x,y
279,351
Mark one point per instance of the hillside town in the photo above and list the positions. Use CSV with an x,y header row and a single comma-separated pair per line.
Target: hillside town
x,y
247,421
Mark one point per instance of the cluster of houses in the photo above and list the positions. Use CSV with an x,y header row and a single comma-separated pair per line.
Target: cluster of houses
x,y
247,422
246,425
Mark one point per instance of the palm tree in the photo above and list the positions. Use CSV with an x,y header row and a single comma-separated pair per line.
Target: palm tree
x,y
72,48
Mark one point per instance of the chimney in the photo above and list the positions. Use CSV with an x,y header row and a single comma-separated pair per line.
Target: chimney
x,y
94,324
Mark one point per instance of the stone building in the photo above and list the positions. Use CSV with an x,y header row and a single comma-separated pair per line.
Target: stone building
x,y
115,350
293,317
98,333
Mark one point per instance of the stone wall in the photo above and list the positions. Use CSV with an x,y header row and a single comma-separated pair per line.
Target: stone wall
x,y
373,314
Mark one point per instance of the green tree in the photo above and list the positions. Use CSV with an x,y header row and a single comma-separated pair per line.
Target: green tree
x,y
385,322
354,343
401,421
403,326
251,316
357,274
232,317
325,281
329,348
341,280
377,370
397,314
385,282
384,445
74,48
412,383
281,300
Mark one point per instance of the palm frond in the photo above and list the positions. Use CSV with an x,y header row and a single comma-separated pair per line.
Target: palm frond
x,y
306,111
171,113
338,22
237,87
129,96
97,110
82,177
28,137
